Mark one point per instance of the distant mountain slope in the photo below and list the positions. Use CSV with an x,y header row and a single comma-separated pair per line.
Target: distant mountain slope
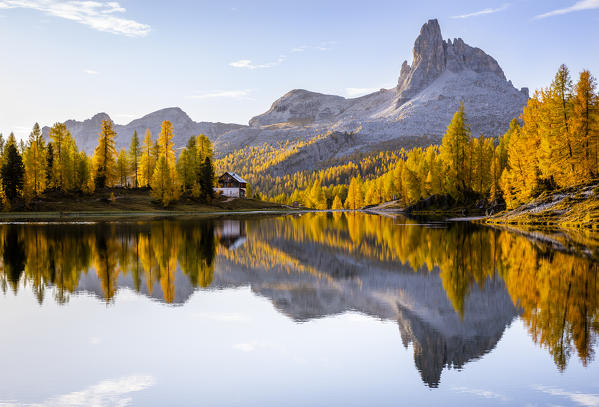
x,y
86,132
442,74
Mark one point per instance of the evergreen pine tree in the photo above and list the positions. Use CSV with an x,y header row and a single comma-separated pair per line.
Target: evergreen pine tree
x,y
12,172
207,179
50,166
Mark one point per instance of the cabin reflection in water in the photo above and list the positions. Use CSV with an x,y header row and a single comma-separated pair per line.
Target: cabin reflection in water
x,y
231,233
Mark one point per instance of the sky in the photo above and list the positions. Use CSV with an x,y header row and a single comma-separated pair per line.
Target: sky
x,y
230,60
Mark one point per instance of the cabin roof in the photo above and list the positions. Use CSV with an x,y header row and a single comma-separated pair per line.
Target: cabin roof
x,y
236,177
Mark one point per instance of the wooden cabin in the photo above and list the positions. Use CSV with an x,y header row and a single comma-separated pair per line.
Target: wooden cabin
x,y
232,185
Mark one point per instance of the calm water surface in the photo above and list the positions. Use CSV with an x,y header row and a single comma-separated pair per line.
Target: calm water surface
x,y
319,309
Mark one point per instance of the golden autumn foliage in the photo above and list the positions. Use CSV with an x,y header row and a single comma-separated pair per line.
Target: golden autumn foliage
x,y
147,162
556,146
461,167
455,153
36,167
34,160
122,168
337,205
134,156
64,149
165,180
105,156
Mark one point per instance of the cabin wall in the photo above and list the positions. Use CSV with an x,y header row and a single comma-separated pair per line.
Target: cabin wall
x,y
231,192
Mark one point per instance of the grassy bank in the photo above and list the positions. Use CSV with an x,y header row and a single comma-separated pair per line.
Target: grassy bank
x,y
126,203
569,208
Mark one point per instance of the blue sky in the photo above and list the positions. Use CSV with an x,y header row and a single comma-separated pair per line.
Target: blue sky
x,y
229,60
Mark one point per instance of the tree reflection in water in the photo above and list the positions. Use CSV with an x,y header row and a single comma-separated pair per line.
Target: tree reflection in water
x,y
452,289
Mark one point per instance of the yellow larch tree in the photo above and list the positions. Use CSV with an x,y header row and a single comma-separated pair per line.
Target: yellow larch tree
x,y
105,156
34,159
557,148
122,167
337,205
585,125
354,198
134,157
146,161
60,137
165,143
455,154
520,179
165,180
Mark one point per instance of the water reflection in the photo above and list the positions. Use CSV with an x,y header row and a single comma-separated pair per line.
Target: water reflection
x,y
452,290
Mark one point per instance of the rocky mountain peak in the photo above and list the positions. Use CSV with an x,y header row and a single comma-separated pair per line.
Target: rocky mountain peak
x,y
300,106
174,114
98,117
95,120
432,56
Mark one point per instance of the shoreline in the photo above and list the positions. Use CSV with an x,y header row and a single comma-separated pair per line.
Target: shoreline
x,y
90,216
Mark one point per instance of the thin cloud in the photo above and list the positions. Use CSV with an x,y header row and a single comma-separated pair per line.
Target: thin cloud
x,y
248,64
91,72
299,49
578,6
95,14
244,347
488,394
94,340
325,46
483,12
111,392
582,399
232,94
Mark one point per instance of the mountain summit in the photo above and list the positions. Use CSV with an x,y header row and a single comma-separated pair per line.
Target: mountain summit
x,y
432,56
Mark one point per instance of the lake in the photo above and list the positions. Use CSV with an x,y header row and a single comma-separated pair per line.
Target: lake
x,y
334,309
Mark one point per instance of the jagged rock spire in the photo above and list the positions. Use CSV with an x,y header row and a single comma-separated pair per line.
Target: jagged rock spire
x,y
432,56
428,61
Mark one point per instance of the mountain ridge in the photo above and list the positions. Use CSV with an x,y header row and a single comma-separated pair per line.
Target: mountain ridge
x,y
86,132
442,74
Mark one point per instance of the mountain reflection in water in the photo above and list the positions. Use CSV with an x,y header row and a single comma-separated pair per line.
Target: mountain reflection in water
x,y
452,290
